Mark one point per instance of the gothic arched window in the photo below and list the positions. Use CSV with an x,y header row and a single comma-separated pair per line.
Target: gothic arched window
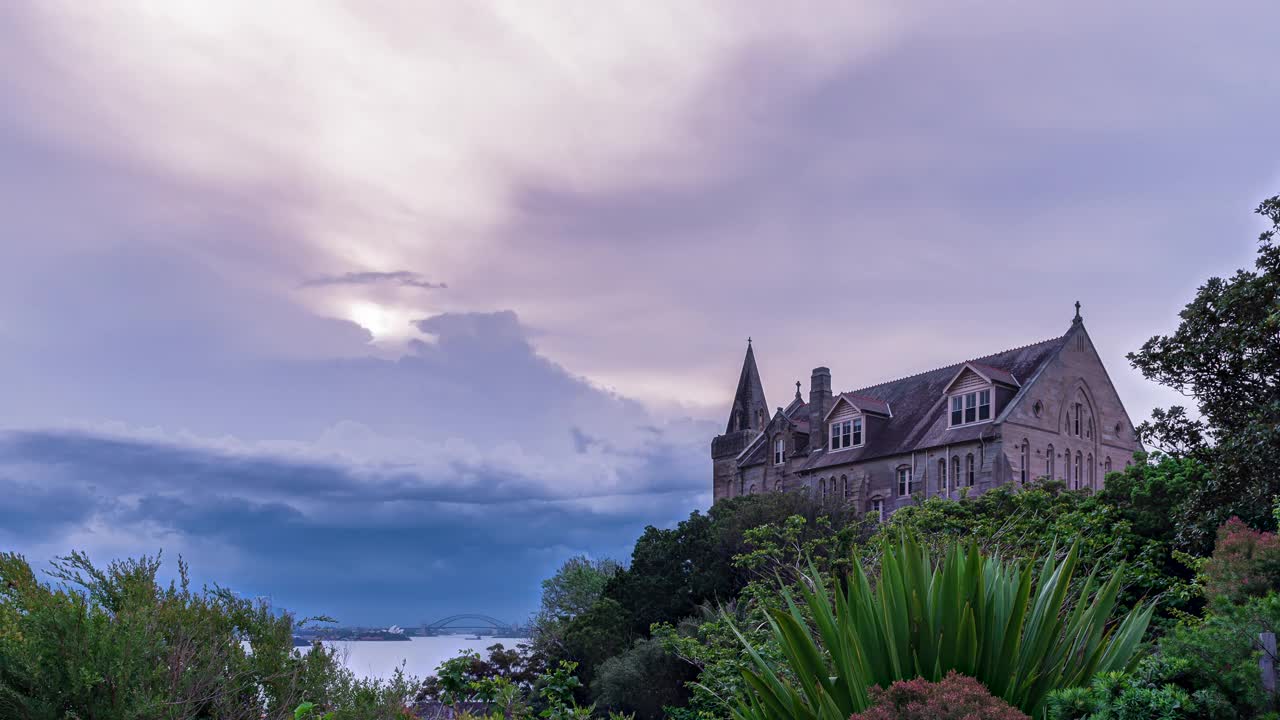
x,y
1093,475
1066,466
1079,462
1026,460
955,472
822,488
904,481
942,476
968,470
877,507
1048,462
1106,467
844,482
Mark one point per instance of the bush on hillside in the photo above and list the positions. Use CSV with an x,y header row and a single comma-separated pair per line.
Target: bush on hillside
x,y
1011,625
1245,563
955,697
114,643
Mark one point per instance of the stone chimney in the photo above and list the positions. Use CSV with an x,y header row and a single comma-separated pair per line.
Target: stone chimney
x,y
819,404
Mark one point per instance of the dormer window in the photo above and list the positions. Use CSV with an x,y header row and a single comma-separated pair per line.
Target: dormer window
x,y
779,450
846,434
970,407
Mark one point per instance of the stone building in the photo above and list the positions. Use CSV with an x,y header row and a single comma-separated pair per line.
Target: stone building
x,y
1043,410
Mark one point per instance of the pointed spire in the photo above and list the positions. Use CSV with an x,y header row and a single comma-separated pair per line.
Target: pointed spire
x,y
750,411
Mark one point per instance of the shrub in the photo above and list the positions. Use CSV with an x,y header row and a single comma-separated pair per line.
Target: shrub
x,y
642,680
1245,563
1216,658
956,697
967,612
114,644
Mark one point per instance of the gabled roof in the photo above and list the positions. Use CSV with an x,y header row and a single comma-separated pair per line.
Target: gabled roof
x,y
798,409
919,418
986,372
861,403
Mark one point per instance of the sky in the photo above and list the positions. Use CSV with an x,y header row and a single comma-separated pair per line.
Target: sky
x,y
384,309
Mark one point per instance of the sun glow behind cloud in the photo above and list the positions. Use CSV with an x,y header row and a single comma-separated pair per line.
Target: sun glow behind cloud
x,y
386,135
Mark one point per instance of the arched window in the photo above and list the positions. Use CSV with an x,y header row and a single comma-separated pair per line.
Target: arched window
x,y
822,488
779,449
1048,462
968,470
942,476
1066,466
1079,462
777,487
955,472
1026,461
844,482
904,480
752,491
877,507
1106,467
1093,475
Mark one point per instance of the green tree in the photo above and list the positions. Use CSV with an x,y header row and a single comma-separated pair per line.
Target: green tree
x,y
1225,354
576,586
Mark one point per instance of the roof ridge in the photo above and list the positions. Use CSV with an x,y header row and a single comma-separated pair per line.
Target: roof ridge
x,y
944,367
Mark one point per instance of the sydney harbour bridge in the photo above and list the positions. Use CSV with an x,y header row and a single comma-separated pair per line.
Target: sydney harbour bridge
x,y
474,623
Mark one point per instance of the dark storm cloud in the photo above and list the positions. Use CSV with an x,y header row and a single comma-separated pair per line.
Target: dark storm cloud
x,y
410,537
401,278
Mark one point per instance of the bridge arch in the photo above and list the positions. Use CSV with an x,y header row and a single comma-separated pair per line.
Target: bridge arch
x,y
468,621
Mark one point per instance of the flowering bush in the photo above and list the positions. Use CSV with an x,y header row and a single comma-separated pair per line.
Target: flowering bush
x,y
956,697
1245,563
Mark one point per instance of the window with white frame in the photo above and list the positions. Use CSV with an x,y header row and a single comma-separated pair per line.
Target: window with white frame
x,y
942,476
846,434
968,469
877,507
955,472
904,481
779,450
970,407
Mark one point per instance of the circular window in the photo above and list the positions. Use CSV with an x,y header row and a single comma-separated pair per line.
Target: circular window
x,y
1037,408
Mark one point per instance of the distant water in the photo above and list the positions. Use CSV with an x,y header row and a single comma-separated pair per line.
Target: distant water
x,y
420,656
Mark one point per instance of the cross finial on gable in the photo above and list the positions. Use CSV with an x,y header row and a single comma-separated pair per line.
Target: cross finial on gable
x,y
797,389
748,340
1077,318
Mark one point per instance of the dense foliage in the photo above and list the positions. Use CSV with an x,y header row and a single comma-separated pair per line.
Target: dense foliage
x,y
1011,625
115,643
1225,353
955,697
